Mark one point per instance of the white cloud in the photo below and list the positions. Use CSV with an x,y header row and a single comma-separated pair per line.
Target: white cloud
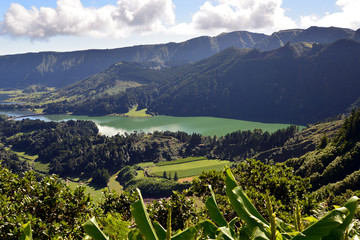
x,y
134,17
347,17
70,17
231,15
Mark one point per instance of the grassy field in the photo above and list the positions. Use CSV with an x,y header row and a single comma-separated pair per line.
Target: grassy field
x,y
95,192
137,113
41,167
37,166
180,160
188,167
114,185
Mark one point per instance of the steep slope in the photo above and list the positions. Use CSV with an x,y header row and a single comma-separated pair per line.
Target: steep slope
x,y
334,164
296,83
303,142
113,80
61,69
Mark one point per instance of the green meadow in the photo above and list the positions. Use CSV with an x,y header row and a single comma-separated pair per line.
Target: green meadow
x,y
135,113
187,167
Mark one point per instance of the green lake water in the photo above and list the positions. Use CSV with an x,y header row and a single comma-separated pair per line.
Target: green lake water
x,y
209,126
111,125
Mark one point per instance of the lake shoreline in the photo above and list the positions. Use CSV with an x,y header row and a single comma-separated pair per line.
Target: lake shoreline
x,y
206,126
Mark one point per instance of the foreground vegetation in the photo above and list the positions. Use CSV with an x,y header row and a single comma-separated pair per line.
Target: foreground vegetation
x,y
248,223
300,188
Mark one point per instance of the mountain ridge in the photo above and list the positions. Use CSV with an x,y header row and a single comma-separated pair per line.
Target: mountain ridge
x,y
58,69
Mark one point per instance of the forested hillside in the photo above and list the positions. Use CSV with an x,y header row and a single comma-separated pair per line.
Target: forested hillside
x,y
334,165
299,83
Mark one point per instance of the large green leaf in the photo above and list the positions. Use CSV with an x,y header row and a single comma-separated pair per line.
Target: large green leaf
x,y
339,232
187,234
258,234
115,227
325,225
214,211
93,230
142,219
225,234
135,234
27,234
243,206
160,231
233,228
208,227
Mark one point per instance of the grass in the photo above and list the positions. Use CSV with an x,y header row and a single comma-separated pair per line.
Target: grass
x,y
145,164
41,167
120,86
24,156
180,160
114,185
189,168
36,98
137,113
38,110
95,192
140,174
37,166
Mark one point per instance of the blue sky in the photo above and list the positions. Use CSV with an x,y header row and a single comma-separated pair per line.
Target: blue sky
x,y
67,25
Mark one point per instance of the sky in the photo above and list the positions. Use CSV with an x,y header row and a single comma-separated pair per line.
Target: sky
x,y
68,25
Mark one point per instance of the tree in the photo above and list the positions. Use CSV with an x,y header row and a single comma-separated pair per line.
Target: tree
x,y
323,142
53,208
101,177
176,177
164,175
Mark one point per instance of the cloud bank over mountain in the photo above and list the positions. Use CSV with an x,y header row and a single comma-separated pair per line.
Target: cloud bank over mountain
x,y
127,17
70,17
347,17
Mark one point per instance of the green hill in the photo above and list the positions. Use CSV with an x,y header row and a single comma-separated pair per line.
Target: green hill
x,y
299,83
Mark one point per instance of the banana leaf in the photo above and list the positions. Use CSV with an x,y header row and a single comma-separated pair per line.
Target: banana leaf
x,y
243,206
27,234
142,219
214,211
325,226
93,230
